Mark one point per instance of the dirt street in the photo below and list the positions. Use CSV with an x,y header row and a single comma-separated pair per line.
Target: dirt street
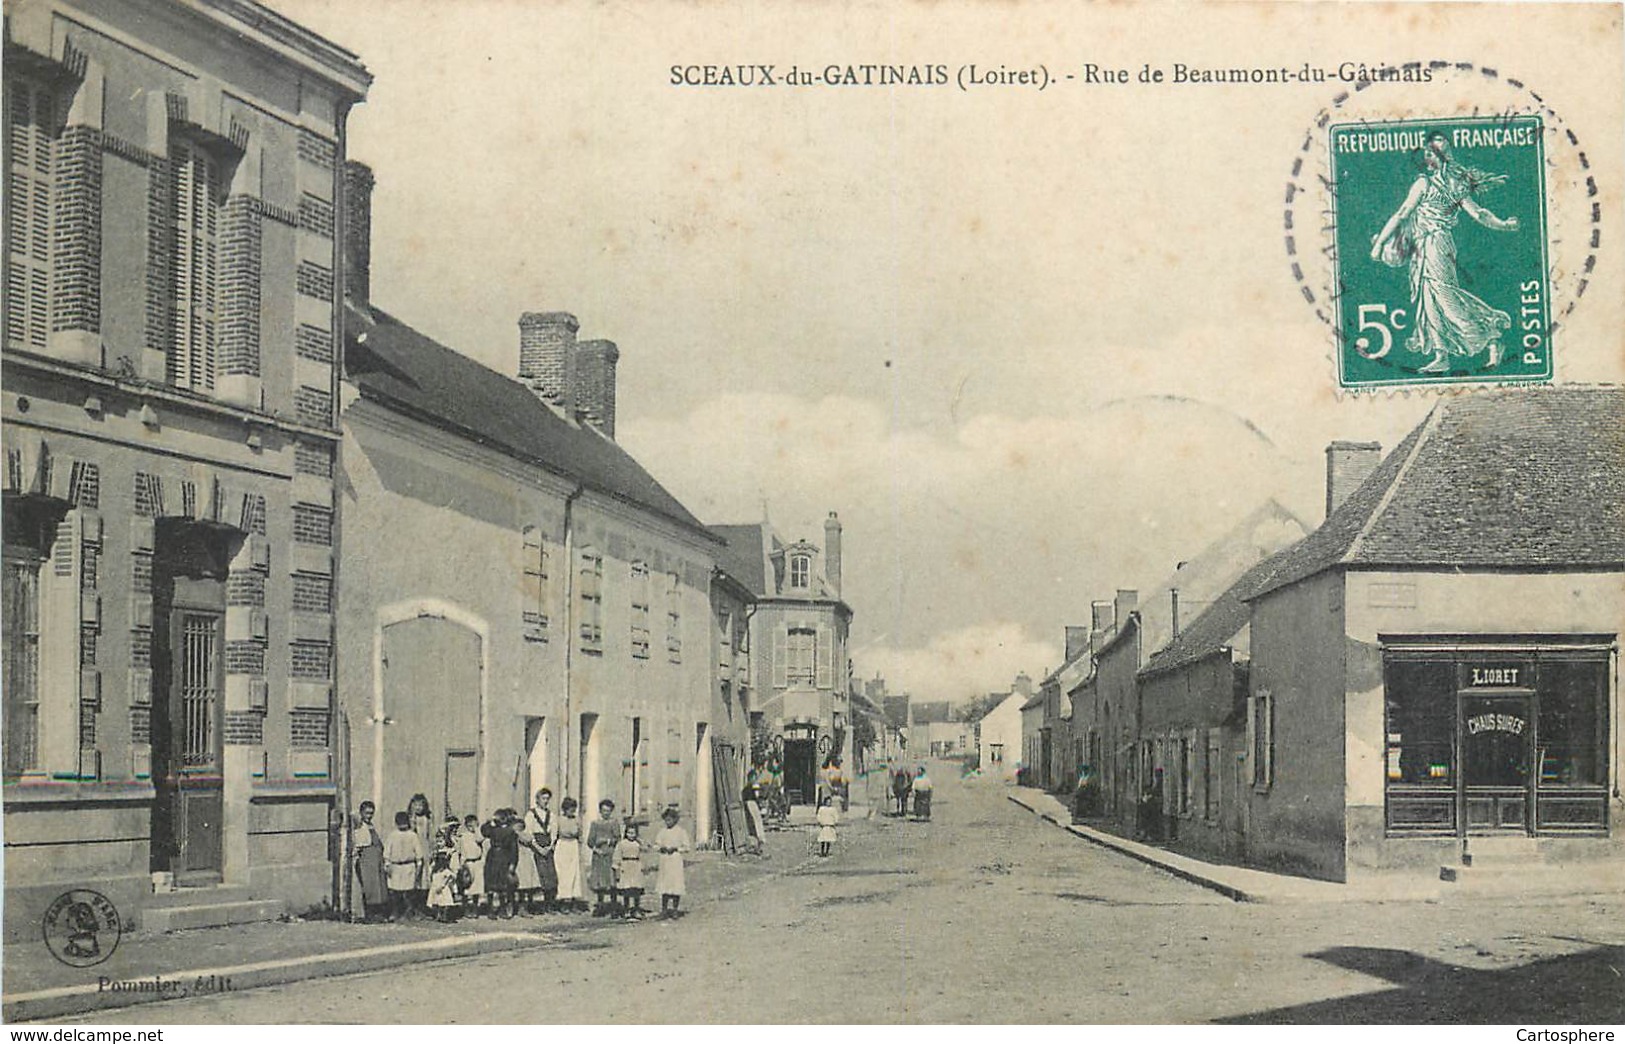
x,y
988,914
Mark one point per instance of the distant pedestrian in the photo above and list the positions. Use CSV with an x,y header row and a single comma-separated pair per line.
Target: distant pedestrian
x,y
369,864
902,783
629,872
671,843
567,856
501,862
423,827
922,794
403,859
471,854
602,837
828,817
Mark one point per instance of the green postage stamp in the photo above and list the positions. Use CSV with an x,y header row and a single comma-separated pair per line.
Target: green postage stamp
x,y
1440,251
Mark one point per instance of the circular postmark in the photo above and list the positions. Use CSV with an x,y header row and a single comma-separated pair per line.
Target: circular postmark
x,y
82,928
1444,237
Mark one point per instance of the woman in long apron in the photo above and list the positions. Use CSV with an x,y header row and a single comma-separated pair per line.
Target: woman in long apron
x,y
541,880
567,856
369,863
602,837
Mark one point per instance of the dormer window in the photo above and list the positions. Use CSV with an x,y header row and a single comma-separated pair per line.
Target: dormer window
x,y
800,571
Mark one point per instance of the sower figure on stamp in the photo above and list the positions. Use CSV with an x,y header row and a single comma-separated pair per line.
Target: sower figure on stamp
x,y
1447,320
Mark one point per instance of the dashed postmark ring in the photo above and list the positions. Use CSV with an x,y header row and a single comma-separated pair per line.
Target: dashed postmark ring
x,y
82,928
1442,242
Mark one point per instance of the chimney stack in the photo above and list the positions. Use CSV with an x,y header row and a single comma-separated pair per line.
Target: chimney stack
x,y
1077,642
832,552
1348,464
547,350
595,383
1125,602
1100,616
1023,684
358,182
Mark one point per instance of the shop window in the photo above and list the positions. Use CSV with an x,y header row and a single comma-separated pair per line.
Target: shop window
x,y
1421,730
1573,726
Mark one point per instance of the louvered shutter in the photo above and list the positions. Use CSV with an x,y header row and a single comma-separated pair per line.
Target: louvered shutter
x,y
781,657
826,658
30,123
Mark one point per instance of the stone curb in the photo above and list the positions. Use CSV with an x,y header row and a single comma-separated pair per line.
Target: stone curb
x,y
78,1000
1141,854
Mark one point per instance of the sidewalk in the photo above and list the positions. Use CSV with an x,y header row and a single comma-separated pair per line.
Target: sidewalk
x,y
156,967
1239,883
1246,885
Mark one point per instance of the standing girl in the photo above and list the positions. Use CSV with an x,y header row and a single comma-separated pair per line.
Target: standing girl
x,y
671,843
423,827
827,818
629,872
501,861
471,850
567,856
369,864
602,838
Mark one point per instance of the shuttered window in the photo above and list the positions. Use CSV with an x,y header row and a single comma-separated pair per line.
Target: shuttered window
x,y
31,129
20,685
197,219
674,618
592,600
826,658
533,585
640,610
803,645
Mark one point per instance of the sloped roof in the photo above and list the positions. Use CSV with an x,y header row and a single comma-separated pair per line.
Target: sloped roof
x,y
1216,627
742,558
1036,701
395,365
1518,478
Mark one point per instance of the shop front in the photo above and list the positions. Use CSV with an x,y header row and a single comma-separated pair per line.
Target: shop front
x,y
1502,738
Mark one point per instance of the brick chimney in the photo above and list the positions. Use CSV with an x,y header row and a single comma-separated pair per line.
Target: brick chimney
x,y
595,383
547,357
1023,684
1348,464
1077,643
832,552
1125,602
358,182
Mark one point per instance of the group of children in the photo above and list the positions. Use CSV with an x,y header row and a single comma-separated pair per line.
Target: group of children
x,y
514,863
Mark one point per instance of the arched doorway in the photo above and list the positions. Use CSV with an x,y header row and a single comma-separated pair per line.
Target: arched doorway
x,y
431,684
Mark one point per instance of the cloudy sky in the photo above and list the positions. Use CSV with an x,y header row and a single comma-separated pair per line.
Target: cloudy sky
x,y
1032,345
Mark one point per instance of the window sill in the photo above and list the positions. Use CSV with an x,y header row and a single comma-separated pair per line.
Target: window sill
x,y
43,791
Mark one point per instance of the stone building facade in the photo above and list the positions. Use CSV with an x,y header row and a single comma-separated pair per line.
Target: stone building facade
x,y
798,633
174,187
525,606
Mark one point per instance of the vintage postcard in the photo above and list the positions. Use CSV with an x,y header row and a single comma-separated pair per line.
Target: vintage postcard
x,y
565,512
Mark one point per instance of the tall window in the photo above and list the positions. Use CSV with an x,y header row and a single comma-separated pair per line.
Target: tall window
x,y
1261,727
1573,727
674,618
31,129
802,648
1215,755
534,584
640,610
592,600
28,535
196,221
800,570
1421,711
